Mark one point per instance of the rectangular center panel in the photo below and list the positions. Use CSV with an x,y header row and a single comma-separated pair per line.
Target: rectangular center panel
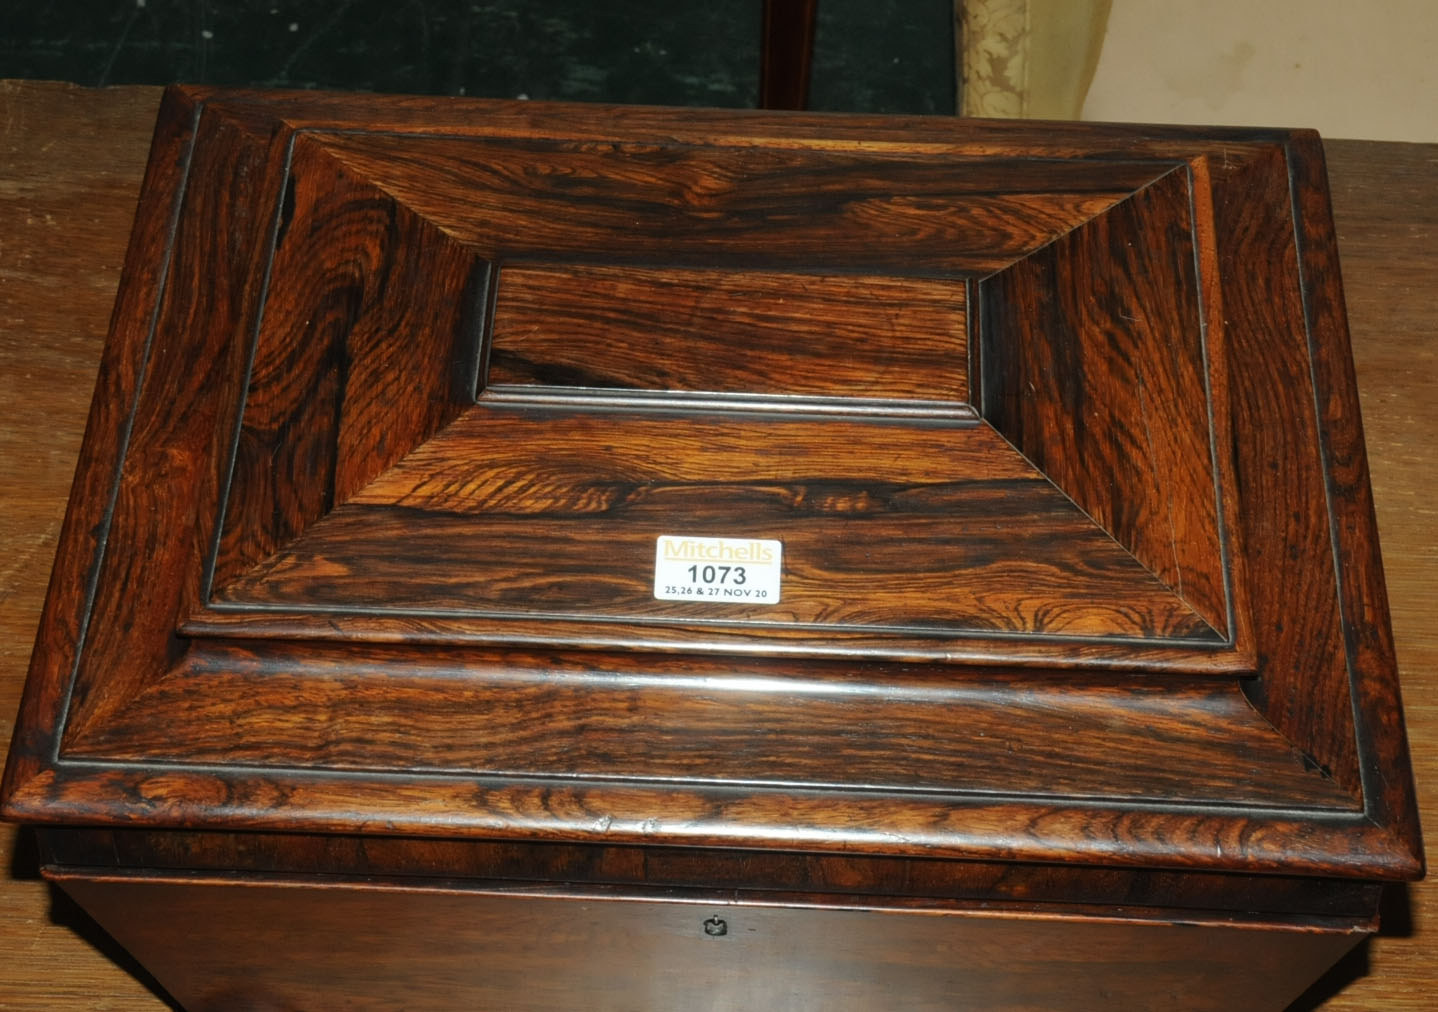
x,y
729,332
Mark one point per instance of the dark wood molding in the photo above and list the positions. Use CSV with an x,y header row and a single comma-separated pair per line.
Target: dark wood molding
x,y
1058,428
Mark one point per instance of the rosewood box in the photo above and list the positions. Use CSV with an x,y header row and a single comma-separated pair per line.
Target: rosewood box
x,y
543,557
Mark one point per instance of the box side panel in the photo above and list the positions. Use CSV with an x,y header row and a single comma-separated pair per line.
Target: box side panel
x,y
256,943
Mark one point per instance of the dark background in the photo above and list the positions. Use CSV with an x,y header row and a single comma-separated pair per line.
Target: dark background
x,y
869,55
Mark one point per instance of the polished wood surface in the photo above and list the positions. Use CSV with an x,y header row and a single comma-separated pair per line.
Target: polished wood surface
x,y
91,174
298,325
376,946
1104,325
576,535
803,334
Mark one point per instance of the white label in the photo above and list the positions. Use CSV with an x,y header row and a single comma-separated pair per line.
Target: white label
x,y
717,570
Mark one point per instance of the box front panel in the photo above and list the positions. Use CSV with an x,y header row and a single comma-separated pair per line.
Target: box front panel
x,y
256,943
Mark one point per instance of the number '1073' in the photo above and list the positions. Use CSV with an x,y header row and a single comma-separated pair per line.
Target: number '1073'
x,y
734,575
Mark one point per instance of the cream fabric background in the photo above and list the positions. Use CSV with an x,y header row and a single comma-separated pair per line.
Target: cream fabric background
x,y
1028,59
1349,68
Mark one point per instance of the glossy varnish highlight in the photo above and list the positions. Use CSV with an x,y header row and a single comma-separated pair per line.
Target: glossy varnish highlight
x,y
309,414
1056,427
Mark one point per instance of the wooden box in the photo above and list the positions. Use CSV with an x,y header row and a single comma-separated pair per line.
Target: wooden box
x,y
549,557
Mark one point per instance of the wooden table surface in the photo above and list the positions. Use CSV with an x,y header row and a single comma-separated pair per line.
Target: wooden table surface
x,y
71,160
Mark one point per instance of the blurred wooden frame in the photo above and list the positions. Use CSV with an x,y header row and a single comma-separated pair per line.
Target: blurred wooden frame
x,y
786,53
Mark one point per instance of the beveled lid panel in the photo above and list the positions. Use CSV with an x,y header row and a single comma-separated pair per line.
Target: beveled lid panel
x,y
411,394
708,204
480,414
1099,369
913,533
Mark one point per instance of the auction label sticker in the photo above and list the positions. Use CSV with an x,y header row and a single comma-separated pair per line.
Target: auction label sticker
x,y
717,570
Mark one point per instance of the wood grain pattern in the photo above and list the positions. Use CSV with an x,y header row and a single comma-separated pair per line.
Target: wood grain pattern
x,y
1388,233
534,514
74,160
768,208
746,872
664,329
600,185
1320,843
1094,367
204,289
1304,685
963,572
115,388
471,711
331,399
1363,596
